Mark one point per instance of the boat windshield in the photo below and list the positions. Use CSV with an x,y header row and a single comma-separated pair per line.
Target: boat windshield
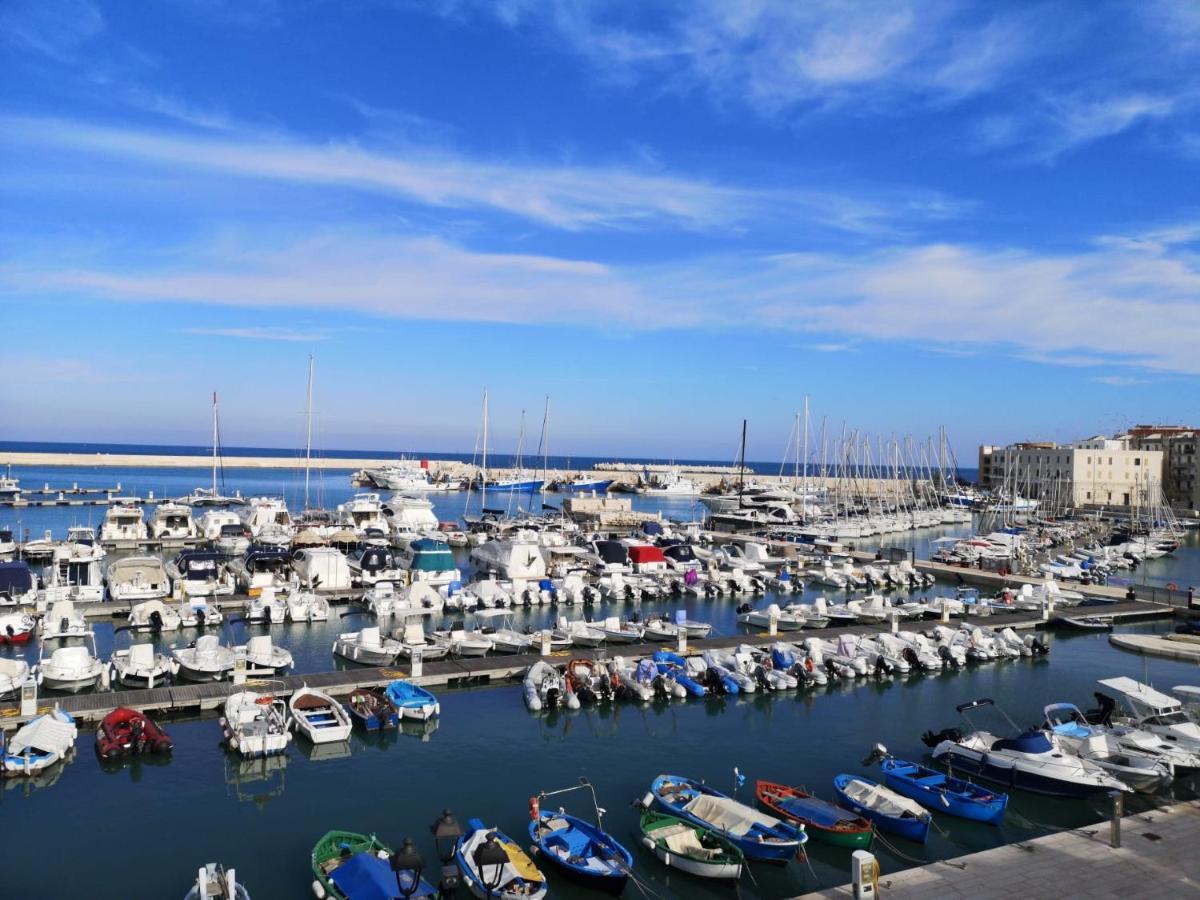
x,y
1167,718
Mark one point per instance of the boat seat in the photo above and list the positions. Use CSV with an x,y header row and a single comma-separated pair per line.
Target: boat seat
x,y
685,843
931,780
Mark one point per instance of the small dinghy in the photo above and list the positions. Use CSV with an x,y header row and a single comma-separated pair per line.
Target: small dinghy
x,y
139,666
1084,623
368,647
372,710
690,847
546,688
583,852
589,681
887,809
349,866
127,732
413,701
494,867
16,627
215,882
758,836
305,606
197,612
825,821
319,717
39,744
205,660
943,793
255,724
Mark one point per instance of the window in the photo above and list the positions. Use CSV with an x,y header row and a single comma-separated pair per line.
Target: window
x,y
1137,460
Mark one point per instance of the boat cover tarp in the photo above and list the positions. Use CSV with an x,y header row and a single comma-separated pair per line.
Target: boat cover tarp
x,y
684,842
680,553
882,800
15,578
817,811
435,557
366,877
611,551
45,734
646,555
727,814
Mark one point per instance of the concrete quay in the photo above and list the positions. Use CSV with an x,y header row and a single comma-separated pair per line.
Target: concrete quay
x,y
1156,858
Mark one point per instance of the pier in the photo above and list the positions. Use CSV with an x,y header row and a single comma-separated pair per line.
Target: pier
x,y
1156,854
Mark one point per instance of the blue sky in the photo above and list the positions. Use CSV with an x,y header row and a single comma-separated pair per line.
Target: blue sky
x,y
666,216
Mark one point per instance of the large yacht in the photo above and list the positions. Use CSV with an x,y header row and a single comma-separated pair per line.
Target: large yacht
x,y
172,522
124,522
268,521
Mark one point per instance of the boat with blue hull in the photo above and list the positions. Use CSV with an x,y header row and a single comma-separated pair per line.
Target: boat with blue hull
x,y
672,665
412,701
1026,759
587,485
757,835
944,793
494,867
889,811
581,851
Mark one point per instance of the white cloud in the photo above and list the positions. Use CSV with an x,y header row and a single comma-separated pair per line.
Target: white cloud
x,y
1132,305
1119,380
262,334
58,30
569,197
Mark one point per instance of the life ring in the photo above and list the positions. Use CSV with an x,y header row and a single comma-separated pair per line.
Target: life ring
x,y
265,700
1172,586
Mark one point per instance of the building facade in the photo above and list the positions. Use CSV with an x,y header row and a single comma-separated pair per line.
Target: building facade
x,y
1180,447
1096,471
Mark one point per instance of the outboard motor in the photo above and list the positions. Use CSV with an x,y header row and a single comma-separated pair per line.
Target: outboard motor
x,y
760,678
910,656
831,669
553,697
659,684
743,608
931,739
156,622
882,667
947,657
713,682
1038,647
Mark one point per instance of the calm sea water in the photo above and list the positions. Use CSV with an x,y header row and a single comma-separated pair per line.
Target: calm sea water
x,y
141,829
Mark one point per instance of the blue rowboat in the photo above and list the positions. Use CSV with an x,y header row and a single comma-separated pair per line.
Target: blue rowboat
x,y
517,878
889,811
412,701
581,851
943,793
757,835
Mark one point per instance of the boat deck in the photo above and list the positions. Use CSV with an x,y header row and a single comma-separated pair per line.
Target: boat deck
x,y
1156,858
476,671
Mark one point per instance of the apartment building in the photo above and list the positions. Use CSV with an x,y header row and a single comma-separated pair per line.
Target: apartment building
x,y
1180,447
1098,470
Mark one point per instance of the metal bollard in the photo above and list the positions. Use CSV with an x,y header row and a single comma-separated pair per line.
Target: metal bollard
x,y
28,697
773,625
945,612
681,642
239,669
546,635
1118,810
895,616
418,663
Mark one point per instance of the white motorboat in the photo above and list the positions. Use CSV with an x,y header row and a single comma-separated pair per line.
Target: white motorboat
x,y
124,523
255,724
761,618
198,612
225,530
205,660
74,571
368,647
263,567
429,560
372,564
200,573
268,521
1156,712
64,621
39,744
671,484
137,578
1070,730
380,599
619,632
139,666
462,642
319,717
305,606
13,673
418,597
266,605
172,522
808,612
323,568
409,519
215,882
1027,760
155,616
363,512
579,632
262,656
412,637
72,669
516,557
504,637
18,584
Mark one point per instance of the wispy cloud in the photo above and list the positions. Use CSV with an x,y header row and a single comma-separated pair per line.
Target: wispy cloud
x,y
57,30
263,334
569,197
1101,306
1119,380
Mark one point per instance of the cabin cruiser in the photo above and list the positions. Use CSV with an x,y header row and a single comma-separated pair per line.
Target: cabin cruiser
x,y
8,544
266,605
18,585
225,531
1027,759
1070,730
611,558
1156,712
75,668
200,573
363,512
368,647
263,567
172,522
268,521
137,578
409,518
124,522
64,621
139,666
153,615
263,656
518,556
205,659
305,606
74,573
371,565
430,561
671,484
322,568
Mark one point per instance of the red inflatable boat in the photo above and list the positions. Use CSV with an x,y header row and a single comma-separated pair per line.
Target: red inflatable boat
x,y
127,732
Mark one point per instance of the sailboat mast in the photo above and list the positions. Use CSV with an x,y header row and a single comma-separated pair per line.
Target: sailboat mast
x,y
804,489
308,429
483,489
742,468
546,445
215,439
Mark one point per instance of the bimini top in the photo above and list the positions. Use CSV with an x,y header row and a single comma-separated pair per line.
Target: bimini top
x,y
612,552
1142,694
375,558
198,560
643,555
652,527
682,553
261,558
15,578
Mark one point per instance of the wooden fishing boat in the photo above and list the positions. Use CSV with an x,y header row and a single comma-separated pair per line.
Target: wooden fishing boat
x,y
127,732
690,847
942,793
888,810
512,876
350,866
581,851
413,701
319,717
372,710
826,822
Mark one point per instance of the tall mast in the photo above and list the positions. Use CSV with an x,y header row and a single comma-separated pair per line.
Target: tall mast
x,y
805,487
546,445
483,490
308,429
214,484
742,469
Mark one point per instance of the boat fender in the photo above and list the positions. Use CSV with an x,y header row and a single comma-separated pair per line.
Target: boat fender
x,y
318,890
647,800
535,811
648,843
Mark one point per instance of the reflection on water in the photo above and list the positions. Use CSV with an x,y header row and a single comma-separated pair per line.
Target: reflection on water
x,y
257,781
